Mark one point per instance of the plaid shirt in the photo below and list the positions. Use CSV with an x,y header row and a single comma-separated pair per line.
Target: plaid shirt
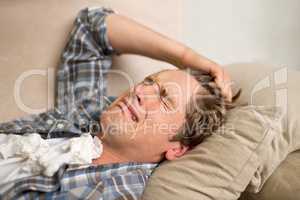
x,y
80,98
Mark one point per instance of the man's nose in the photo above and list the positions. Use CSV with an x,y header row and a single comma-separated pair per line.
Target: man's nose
x,y
145,93
138,92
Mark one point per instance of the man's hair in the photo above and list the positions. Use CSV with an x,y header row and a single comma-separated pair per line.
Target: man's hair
x,y
205,112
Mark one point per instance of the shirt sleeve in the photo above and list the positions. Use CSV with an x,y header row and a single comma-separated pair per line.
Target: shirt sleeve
x,y
80,82
81,78
50,124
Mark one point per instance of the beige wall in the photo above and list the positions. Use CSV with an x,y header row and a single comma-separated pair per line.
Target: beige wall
x,y
231,31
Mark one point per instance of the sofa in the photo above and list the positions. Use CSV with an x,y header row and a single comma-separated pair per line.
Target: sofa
x,y
34,33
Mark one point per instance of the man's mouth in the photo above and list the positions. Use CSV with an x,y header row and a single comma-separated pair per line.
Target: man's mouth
x,y
130,108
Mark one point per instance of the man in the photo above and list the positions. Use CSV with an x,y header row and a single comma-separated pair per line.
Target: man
x,y
131,128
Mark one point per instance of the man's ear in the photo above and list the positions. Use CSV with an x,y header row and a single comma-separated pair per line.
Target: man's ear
x,y
176,152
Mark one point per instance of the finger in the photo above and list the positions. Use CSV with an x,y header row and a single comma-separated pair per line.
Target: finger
x,y
225,87
228,94
227,90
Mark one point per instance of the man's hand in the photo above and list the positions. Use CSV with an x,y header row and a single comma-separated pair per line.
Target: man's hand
x,y
191,59
223,80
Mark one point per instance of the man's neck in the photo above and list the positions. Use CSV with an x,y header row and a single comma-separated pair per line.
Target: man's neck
x,y
109,156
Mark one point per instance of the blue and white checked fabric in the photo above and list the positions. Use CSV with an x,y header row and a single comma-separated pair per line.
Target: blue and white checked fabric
x,y
80,99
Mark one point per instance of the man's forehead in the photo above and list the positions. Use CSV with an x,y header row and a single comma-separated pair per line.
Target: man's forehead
x,y
176,76
178,81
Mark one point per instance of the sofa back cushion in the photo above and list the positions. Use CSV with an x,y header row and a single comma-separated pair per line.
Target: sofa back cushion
x,y
222,166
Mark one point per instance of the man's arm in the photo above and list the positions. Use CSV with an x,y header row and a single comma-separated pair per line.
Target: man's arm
x,y
128,36
85,62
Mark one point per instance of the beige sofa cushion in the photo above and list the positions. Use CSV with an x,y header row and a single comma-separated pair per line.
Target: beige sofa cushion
x,y
266,85
223,165
283,89
283,184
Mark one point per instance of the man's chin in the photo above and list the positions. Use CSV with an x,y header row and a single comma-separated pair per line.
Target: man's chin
x,y
115,123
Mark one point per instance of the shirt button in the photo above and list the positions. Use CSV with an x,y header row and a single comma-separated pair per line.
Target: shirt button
x,y
49,122
60,126
82,121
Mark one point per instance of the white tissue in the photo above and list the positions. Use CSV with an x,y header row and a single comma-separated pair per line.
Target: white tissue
x,y
43,157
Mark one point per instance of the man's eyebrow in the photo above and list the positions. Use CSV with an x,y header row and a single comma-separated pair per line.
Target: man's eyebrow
x,y
157,81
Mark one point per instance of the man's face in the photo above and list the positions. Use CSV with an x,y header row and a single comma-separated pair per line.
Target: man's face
x,y
141,122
